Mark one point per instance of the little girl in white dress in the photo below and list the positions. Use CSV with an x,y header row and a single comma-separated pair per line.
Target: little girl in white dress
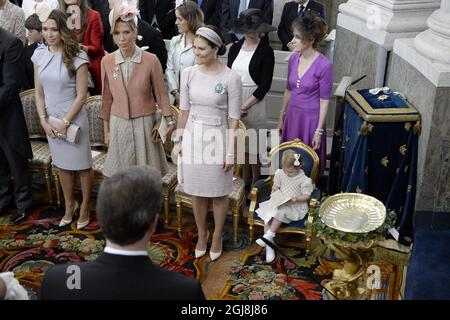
x,y
294,185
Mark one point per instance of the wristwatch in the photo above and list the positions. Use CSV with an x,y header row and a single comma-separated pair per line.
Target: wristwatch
x,y
174,92
66,122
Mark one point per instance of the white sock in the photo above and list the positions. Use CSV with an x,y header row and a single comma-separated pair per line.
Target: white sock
x,y
269,235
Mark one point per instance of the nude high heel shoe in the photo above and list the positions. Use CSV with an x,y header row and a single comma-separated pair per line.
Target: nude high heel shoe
x,y
65,222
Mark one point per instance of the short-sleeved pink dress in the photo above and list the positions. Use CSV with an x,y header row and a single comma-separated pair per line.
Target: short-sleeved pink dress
x,y
211,100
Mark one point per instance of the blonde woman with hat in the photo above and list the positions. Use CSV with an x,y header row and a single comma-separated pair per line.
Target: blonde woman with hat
x,y
254,60
133,83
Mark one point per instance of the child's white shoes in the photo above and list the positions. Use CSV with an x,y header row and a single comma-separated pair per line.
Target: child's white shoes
x,y
269,235
270,253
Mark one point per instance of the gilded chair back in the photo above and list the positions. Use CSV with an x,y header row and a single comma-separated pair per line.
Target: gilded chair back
x,y
96,135
307,155
34,127
240,148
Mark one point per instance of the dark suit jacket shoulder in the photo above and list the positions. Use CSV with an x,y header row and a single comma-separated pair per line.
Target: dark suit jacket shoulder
x,y
165,14
115,277
211,11
261,66
290,12
28,81
152,39
13,129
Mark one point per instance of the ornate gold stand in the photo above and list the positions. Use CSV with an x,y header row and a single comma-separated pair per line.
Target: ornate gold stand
x,y
350,282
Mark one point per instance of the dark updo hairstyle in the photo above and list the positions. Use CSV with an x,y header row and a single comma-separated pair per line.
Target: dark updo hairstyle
x,y
311,28
223,48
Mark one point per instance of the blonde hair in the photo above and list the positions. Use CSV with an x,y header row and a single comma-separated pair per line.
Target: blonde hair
x,y
289,159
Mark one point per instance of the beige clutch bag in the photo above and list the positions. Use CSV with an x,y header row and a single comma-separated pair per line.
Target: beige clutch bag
x,y
72,133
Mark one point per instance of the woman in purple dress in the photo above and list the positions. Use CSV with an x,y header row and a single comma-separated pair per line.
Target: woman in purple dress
x,y
309,86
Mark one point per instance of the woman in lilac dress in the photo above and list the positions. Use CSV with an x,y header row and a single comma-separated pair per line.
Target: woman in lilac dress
x,y
308,89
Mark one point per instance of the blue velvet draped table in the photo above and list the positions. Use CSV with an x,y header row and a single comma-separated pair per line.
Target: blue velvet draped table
x,y
375,147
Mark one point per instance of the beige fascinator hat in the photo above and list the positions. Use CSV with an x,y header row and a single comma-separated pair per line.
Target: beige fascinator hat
x,y
124,10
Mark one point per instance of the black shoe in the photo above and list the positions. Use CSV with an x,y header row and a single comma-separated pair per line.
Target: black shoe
x,y
5,209
18,217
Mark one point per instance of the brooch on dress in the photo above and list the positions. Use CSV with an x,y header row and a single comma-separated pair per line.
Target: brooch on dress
x,y
116,73
220,88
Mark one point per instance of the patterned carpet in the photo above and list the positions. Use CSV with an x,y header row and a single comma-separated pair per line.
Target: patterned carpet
x,y
30,248
252,278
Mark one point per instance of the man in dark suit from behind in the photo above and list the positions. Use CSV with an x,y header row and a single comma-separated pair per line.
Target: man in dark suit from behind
x,y
15,148
161,15
292,10
231,10
151,38
127,211
211,11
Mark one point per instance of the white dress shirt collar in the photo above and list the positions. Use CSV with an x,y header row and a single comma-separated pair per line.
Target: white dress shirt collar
x,y
302,4
122,252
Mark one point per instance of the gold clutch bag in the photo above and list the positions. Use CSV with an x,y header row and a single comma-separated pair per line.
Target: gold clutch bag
x,y
72,133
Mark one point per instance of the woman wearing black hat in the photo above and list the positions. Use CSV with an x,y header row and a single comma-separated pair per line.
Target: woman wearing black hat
x,y
254,61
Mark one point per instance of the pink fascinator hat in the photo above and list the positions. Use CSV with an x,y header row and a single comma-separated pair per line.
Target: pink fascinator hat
x,y
125,10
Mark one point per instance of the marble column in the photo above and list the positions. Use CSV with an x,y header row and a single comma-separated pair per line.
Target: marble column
x,y
366,31
420,68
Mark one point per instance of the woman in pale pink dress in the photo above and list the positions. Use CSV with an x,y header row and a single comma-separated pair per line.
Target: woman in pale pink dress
x,y
210,102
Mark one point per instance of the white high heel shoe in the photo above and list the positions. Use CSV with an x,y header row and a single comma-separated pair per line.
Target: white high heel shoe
x,y
65,222
215,255
81,225
201,253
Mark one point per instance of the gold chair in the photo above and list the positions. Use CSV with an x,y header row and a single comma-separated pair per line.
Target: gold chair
x,y
42,159
96,137
236,198
262,188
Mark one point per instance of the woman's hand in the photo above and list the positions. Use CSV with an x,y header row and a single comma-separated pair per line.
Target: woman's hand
x,y
176,150
177,99
280,124
227,167
106,137
316,142
294,200
229,162
61,130
49,129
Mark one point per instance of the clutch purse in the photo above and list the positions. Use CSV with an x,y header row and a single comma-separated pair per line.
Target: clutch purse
x,y
72,133
160,128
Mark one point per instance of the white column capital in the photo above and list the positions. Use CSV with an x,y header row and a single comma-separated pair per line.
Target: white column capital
x,y
383,21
